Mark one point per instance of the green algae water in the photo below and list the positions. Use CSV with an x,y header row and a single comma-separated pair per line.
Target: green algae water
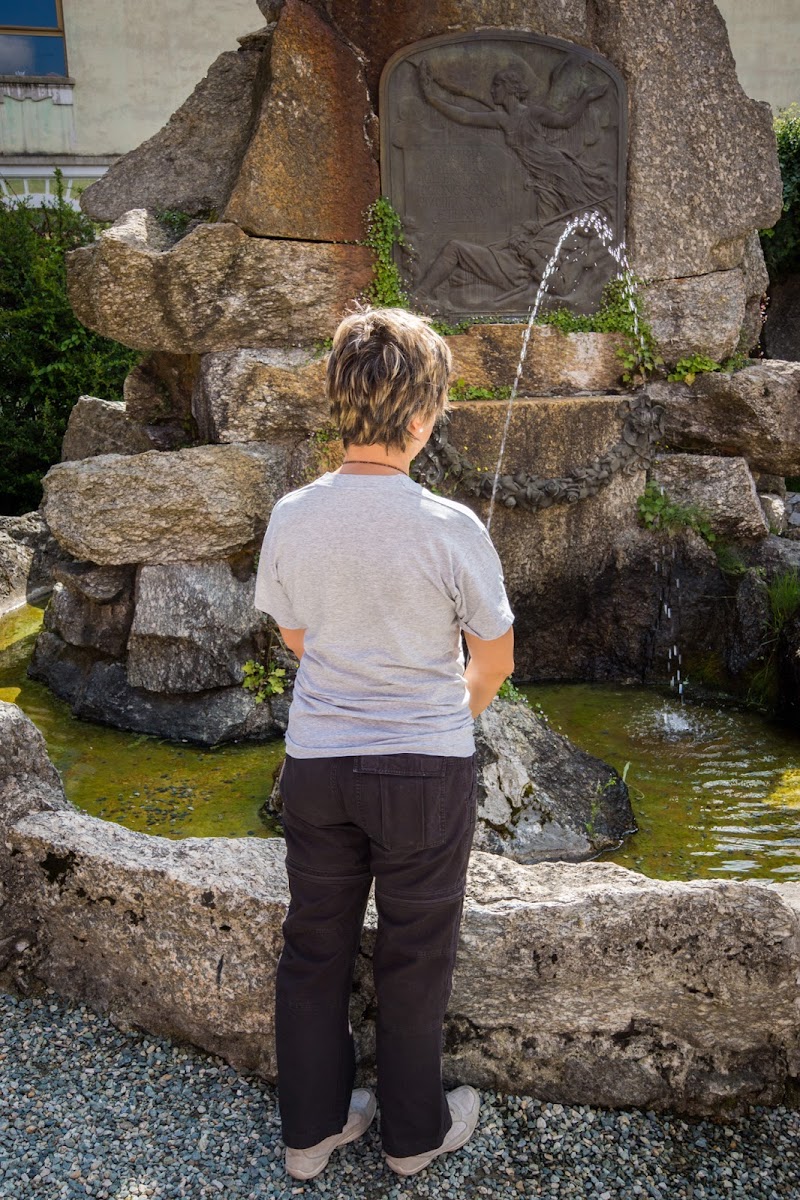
x,y
715,788
144,783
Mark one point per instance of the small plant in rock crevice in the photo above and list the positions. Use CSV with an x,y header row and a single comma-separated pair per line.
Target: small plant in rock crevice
x,y
657,512
384,232
510,693
263,680
782,594
461,391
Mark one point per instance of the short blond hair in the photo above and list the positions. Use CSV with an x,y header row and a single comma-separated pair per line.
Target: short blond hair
x,y
385,367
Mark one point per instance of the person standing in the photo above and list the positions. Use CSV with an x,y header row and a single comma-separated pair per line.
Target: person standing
x,y
371,579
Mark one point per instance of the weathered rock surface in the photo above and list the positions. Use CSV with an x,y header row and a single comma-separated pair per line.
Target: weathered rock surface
x,y
557,364
699,315
260,395
29,555
540,798
754,413
97,689
202,502
102,427
92,607
774,511
29,783
15,563
310,170
579,983
756,282
216,289
722,488
191,163
782,328
160,388
193,628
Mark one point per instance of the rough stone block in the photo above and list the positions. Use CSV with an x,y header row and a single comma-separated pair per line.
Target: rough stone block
x,y
539,796
102,427
721,488
582,983
260,395
556,364
193,628
699,315
215,289
310,170
190,164
754,413
82,620
189,505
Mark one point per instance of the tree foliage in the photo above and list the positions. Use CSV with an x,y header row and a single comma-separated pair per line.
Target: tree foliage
x,y
47,358
782,243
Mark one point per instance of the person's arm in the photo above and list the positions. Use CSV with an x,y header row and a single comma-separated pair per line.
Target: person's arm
x,y
490,662
294,640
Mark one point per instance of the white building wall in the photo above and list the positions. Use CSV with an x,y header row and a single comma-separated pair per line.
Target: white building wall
x,y
765,39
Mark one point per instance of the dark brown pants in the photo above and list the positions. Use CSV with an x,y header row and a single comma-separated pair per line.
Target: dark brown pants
x,y
407,821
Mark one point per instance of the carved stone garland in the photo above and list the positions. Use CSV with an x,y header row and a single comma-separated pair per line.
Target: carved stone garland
x,y
643,427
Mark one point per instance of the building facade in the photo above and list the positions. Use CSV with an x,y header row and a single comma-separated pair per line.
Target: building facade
x,y
84,81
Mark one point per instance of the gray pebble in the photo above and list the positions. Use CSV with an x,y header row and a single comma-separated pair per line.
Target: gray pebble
x,y
87,1110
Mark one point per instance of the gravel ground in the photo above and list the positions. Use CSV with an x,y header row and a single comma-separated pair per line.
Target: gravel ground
x,y
89,1110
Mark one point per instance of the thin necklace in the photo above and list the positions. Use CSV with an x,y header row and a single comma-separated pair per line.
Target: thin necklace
x,y
366,462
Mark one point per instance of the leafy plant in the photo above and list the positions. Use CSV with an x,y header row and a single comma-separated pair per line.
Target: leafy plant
x,y
445,329
687,369
656,511
263,681
511,693
176,222
384,232
47,357
781,244
460,391
621,312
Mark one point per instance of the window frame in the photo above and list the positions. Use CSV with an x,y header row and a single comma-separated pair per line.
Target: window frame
x,y
40,31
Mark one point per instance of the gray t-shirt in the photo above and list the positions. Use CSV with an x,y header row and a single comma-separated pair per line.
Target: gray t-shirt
x,y
382,575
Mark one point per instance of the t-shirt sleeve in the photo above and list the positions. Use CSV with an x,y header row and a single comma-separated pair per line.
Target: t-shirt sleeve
x,y
270,595
481,601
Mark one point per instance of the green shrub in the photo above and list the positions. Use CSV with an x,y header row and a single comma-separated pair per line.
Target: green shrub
x,y
47,358
782,243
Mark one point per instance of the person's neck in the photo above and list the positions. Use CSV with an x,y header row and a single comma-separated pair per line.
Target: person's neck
x,y
376,460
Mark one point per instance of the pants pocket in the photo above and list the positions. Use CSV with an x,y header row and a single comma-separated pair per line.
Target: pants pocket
x,y
399,799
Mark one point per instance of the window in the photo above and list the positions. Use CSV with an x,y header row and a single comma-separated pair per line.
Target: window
x,y
32,38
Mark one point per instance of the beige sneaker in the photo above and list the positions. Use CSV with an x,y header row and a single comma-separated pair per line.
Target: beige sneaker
x,y
464,1104
306,1164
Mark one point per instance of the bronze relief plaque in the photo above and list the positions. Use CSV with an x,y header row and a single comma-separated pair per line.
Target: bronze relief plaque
x,y
491,143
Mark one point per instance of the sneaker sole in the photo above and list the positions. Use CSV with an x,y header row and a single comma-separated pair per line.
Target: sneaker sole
x,y
456,1146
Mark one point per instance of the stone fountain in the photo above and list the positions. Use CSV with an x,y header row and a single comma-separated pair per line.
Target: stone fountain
x,y
234,249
